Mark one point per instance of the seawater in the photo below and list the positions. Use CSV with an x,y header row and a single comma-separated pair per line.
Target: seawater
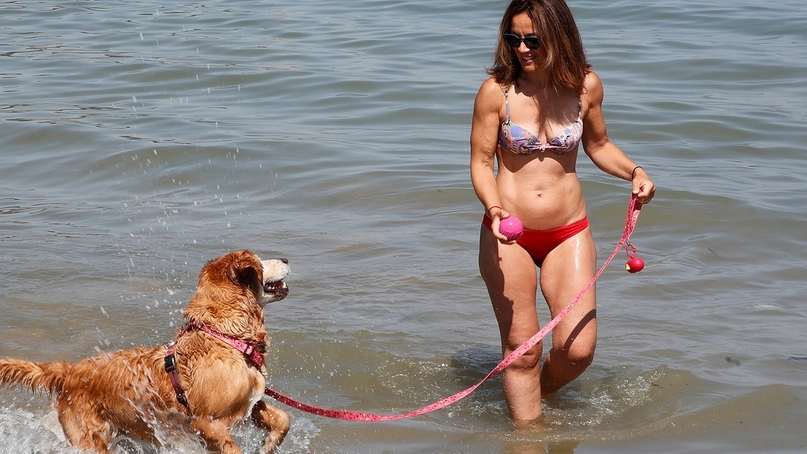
x,y
141,139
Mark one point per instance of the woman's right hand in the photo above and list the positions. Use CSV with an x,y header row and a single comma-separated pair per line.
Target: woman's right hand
x,y
496,215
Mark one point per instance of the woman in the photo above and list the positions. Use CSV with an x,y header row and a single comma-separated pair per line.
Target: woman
x,y
540,103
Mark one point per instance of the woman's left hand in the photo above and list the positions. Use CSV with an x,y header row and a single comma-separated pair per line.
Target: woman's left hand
x,y
643,186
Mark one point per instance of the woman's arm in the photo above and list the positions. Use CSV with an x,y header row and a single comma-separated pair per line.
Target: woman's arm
x,y
484,142
603,153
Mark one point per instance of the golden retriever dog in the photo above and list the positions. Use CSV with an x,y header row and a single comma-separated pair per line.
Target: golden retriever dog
x,y
209,379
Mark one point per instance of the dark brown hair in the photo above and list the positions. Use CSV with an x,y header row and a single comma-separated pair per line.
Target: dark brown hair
x,y
560,39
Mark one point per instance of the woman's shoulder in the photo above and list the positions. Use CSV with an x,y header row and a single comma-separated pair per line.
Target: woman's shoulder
x,y
491,85
490,92
592,82
592,89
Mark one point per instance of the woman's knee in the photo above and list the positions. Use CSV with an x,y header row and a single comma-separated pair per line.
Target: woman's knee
x,y
530,360
577,357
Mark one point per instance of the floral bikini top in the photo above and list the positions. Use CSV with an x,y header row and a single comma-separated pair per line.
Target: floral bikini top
x,y
522,142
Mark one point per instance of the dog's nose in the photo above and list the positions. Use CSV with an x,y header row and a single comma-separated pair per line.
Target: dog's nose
x,y
286,261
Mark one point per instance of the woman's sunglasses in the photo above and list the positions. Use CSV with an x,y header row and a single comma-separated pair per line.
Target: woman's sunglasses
x,y
514,41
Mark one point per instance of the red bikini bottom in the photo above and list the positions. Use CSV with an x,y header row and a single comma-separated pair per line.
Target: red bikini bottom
x,y
539,243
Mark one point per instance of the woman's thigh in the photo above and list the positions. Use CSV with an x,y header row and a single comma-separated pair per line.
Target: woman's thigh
x,y
512,282
565,272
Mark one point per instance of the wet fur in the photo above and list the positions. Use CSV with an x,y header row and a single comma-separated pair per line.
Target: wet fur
x,y
129,391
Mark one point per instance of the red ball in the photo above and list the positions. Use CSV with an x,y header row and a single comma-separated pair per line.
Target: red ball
x,y
634,265
511,227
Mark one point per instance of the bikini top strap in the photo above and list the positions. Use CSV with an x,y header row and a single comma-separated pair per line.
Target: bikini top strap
x,y
505,89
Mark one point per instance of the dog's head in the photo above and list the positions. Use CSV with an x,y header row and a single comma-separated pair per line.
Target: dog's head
x,y
242,275
274,288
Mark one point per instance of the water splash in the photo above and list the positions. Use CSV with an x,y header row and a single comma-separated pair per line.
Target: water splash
x,y
22,431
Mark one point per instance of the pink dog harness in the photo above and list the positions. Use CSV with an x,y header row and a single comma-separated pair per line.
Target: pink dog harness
x,y
252,352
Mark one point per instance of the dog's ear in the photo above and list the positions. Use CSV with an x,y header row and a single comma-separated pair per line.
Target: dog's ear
x,y
247,271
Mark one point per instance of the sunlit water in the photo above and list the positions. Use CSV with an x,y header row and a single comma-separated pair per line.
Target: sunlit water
x,y
140,139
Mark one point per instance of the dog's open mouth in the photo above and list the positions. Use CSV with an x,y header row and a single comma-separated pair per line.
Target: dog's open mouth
x,y
278,289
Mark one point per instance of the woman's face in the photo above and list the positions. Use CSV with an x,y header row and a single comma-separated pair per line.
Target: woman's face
x,y
522,26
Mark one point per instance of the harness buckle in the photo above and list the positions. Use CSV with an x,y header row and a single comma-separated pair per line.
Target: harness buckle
x,y
170,363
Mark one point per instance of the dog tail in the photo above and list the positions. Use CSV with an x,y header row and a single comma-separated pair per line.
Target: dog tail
x,y
44,377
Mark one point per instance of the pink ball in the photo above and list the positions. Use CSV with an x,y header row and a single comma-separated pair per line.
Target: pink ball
x,y
511,227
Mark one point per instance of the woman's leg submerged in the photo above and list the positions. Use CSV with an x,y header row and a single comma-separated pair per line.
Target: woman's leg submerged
x,y
511,279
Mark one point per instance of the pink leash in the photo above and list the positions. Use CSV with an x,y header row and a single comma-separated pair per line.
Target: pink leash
x,y
634,206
